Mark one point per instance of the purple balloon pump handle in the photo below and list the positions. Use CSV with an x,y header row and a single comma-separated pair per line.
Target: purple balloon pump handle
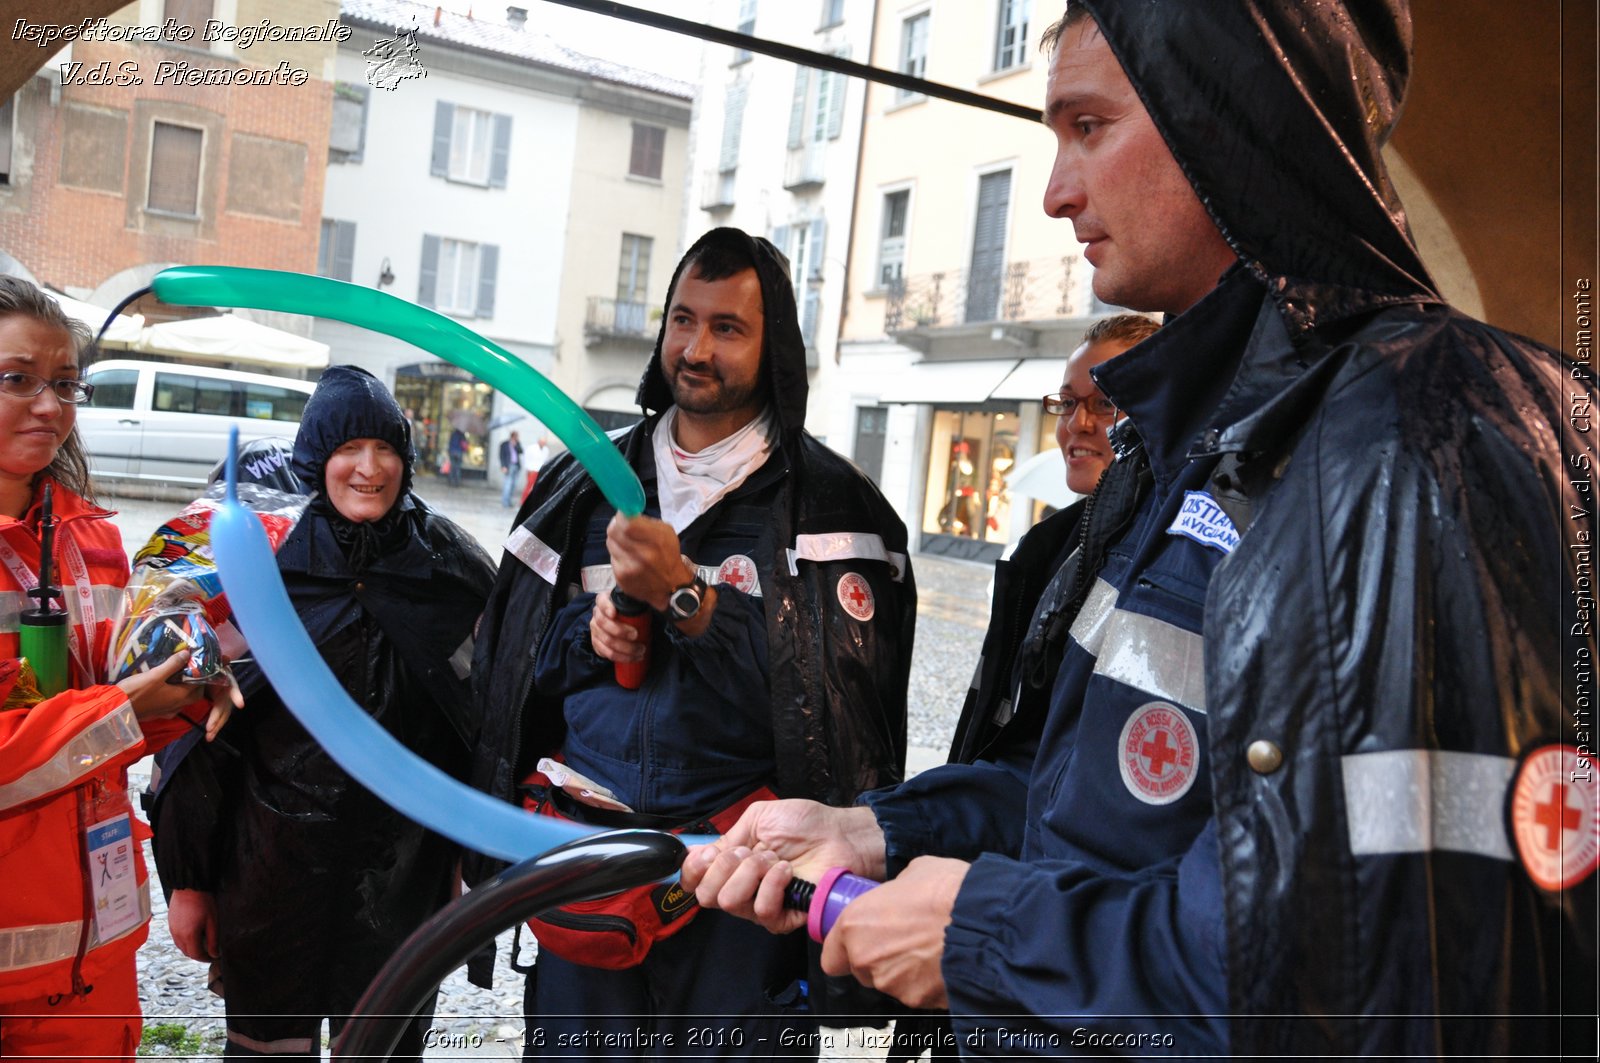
x,y
824,900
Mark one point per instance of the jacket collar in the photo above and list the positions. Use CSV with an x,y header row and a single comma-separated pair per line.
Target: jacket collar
x,y
1171,384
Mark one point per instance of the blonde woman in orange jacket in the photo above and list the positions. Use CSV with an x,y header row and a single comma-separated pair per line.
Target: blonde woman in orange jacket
x,y
74,903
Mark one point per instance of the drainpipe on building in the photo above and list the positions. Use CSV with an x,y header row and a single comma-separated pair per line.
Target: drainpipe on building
x,y
855,193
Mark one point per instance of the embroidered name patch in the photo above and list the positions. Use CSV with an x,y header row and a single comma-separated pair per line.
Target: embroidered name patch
x,y
1553,817
1158,754
1202,520
855,594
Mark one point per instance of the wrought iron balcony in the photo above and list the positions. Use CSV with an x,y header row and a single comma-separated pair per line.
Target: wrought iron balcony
x,y
1039,290
806,168
617,318
716,190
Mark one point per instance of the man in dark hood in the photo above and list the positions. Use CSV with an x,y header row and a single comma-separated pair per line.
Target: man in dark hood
x,y
1311,778
776,608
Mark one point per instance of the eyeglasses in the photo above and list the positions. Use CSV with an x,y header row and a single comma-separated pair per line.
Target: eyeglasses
x,y
1065,405
27,385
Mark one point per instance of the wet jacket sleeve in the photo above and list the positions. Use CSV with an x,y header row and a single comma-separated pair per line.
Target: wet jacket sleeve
x,y
567,660
52,746
955,810
730,655
188,819
1076,958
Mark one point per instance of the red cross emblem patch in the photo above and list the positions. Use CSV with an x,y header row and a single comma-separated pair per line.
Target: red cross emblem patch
x,y
1159,754
855,594
1553,817
738,572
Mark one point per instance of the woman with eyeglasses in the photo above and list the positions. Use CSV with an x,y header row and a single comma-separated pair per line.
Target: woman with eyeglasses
x,y
1082,413
74,904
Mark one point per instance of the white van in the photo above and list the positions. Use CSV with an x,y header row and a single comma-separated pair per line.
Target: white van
x,y
166,423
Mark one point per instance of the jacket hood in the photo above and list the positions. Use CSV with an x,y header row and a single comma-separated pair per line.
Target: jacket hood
x,y
349,403
783,349
1277,111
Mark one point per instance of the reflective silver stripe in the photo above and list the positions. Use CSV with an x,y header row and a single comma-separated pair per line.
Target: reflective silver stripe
x,y
843,546
82,754
1089,627
1159,658
25,947
596,579
1419,800
461,660
531,551
107,604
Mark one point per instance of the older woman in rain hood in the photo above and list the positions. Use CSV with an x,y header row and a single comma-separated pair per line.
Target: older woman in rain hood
x,y
295,878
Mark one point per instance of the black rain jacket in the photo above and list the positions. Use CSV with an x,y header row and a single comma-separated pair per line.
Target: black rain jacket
x,y
1413,591
838,685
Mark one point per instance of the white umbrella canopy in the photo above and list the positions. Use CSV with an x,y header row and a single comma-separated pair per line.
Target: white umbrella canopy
x,y
226,338
1043,477
124,330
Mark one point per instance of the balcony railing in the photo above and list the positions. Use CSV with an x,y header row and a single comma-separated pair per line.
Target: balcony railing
x,y
1038,290
615,317
806,168
716,190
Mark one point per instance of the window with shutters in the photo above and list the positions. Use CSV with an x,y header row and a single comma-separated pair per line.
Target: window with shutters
x,y
892,238
8,111
190,13
747,26
649,145
732,127
987,265
175,152
458,276
336,250
1011,34
832,13
471,146
633,284
803,244
347,135
913,52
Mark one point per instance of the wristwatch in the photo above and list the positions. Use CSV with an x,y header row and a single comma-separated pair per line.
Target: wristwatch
x,y
684,603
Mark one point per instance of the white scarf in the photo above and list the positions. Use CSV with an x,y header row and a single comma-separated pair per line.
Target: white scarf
x,y
689,484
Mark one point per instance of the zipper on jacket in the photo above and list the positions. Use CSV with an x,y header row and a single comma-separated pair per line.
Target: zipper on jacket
x,y
613,924
544,629
86,801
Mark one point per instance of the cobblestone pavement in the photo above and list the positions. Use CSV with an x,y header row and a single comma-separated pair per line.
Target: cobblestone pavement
x,y
475,1023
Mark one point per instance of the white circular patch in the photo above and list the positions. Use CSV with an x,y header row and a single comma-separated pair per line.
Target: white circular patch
x,y
1553,816
738,572
1158,753
855,594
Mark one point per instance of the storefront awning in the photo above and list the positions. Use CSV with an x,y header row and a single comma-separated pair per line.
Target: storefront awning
x,y
949,383
1034,378
226,338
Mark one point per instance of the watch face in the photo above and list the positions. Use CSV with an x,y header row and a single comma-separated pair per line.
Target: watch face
x,y
685,601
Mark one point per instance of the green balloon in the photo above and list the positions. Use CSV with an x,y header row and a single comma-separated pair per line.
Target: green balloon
x,y
296,293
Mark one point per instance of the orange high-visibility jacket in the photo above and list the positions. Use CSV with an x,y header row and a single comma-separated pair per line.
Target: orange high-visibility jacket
x,y
63,767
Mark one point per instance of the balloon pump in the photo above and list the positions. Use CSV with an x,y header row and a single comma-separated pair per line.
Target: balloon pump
x,y
823,900
44,628
636,614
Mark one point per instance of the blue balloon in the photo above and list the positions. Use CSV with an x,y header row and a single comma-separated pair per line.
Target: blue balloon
x,y
371,755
